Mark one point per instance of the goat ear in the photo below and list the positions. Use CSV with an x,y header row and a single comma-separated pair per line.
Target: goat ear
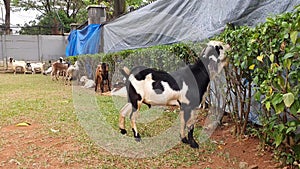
x,y
202,54
218,48
125,72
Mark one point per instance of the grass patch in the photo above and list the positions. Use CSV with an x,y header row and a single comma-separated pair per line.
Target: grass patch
x,y
49,104
151,122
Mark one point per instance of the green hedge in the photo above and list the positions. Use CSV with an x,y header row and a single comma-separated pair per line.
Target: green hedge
x,y
267,57
164,57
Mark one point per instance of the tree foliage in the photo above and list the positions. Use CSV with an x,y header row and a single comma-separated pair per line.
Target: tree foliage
x,y
57,15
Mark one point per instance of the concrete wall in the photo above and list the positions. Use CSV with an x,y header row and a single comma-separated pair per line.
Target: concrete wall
x,y
32,47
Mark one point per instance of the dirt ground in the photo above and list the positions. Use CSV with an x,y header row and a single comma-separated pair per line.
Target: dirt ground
x,y
235,153
231,153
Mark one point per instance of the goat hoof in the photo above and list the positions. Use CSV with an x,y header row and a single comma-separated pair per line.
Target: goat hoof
x,y
194,144
185,140
123,131
138,139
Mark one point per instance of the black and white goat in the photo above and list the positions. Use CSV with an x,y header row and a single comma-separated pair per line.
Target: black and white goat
x,y
184,87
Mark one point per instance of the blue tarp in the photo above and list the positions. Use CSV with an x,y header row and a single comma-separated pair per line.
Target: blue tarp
x,y
85,41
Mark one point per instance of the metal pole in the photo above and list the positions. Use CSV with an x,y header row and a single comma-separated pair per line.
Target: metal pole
x,y
4,54
38,51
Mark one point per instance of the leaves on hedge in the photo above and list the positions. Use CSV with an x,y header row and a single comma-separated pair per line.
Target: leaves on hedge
x,y
288,99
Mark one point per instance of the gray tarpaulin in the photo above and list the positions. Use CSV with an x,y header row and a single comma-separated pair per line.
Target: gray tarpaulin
x,y
172,21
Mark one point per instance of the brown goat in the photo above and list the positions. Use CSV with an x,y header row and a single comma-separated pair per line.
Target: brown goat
x,y
58,68
101,77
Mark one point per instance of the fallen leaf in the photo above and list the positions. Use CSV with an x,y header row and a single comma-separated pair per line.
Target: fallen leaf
x,y
23,124
14,161
54,131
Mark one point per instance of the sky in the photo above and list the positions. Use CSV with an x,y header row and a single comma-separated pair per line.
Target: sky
x,y
22,17
16,18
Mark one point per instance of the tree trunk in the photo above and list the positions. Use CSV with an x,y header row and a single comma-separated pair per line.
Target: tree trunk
x,y
119,7
55,29
7,16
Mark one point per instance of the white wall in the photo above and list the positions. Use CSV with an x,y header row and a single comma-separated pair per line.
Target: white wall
x,y
32,47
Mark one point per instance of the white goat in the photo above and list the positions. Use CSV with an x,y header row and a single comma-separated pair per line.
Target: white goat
x,y
71,73
37,67
48,71
88,83
17,65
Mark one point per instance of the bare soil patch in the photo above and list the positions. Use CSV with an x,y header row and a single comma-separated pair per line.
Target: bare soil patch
x,y
236,153
27,146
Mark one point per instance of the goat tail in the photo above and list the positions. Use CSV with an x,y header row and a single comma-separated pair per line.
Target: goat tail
x,y
125,72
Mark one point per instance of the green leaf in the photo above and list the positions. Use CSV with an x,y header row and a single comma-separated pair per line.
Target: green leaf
x,y
296,149
286,36
295,108
288,55
268,105
288,99
271,58
290,129
279,108
255,79
284,24
277,99
278,139
270,20
288,63
257,95
281,81
280,127
294,36
292,123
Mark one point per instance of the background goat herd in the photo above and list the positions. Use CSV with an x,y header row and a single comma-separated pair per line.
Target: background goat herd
x,y
62,70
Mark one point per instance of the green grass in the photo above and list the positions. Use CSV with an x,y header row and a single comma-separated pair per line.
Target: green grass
x,y
39,100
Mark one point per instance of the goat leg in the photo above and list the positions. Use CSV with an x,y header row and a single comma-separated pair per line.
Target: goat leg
x,y
190,126
187,120
134,128
182,128
96,86
108,84
102,86
133,114
191,139
123,112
